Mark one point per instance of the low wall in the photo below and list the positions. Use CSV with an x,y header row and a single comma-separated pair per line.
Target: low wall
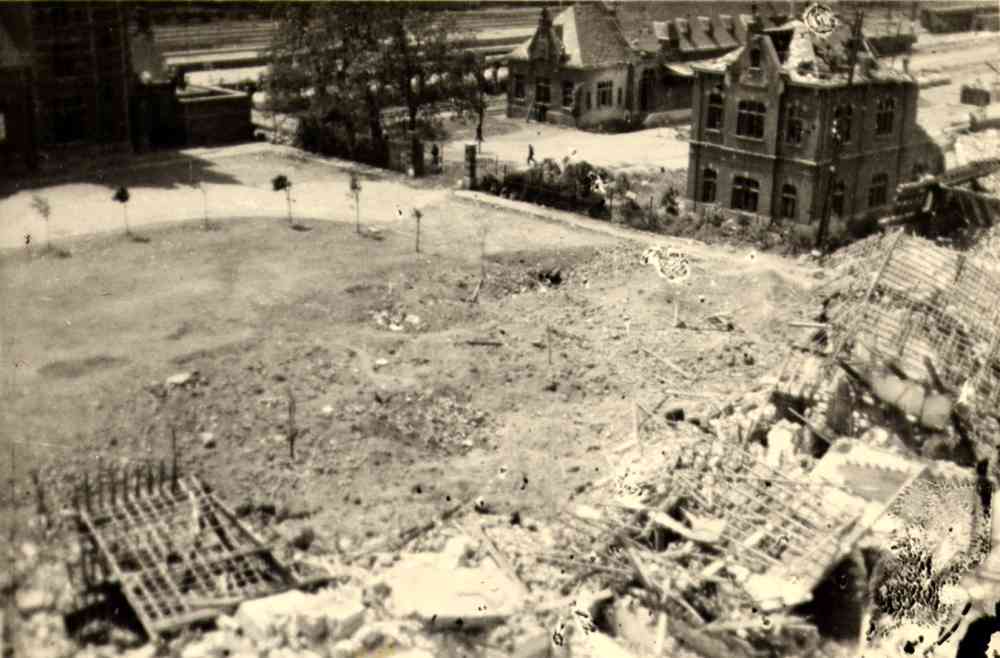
x,y
219,116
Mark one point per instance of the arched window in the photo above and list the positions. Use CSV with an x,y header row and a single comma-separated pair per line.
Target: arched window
x,y
842,117
789,198
837,199
709,178
750,119
713,118
885,115
745,194
878,192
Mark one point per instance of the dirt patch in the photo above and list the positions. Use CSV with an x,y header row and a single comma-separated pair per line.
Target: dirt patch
x,y
74,368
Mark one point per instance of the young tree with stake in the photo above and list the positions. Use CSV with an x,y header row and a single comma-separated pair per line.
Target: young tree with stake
x,y
280,183
356,193
417,216
122,196
44,210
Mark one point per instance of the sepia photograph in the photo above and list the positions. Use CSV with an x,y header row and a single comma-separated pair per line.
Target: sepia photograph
x,y
499,328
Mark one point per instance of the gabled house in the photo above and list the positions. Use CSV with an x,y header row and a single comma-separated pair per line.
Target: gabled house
x,y
603,62
785,128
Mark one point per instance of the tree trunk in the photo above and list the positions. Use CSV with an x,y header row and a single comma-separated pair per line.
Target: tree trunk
x,y
374,117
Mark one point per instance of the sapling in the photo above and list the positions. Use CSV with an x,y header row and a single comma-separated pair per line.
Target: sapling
x,y
280,183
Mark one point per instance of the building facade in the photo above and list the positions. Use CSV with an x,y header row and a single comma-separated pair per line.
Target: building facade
x,y
782,130
64,82
605,62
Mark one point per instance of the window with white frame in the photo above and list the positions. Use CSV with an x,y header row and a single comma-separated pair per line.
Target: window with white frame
x,y
716,108
746,192
878,192
750,119
604,94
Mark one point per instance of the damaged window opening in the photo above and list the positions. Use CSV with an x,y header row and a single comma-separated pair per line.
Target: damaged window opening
x,y
519,86
750,119
745,194
789,197
842,117
878,191
542,90
567,94
755,58
709,179
837,199
794,126
713,118
885,116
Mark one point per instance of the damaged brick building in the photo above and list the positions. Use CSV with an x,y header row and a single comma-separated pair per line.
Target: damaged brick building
x,y
786,128
64,82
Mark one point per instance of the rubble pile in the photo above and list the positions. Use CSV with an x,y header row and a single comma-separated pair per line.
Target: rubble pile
x,y
849,479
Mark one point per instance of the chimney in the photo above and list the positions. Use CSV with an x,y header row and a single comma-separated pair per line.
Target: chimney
x,y
755,25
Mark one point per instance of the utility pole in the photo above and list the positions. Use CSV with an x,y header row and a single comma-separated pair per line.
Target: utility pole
x,y
824,224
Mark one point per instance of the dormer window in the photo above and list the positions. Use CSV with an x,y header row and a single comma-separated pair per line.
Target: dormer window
x,y
755,57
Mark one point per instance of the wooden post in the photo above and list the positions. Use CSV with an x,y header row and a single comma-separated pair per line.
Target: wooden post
x,y
86,492
548,341
113,483
100,484
173,450
39,494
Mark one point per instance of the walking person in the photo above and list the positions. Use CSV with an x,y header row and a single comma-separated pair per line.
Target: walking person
x,y
531,155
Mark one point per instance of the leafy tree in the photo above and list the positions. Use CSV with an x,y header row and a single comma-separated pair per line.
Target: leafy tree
x,y
356,193
470,91
280,183
122,196
358,59
41,205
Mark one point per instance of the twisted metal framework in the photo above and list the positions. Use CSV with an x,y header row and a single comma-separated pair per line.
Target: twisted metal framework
x,y
178,554
933,312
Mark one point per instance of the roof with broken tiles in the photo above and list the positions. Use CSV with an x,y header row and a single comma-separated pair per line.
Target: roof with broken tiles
x,y
601,34
817,59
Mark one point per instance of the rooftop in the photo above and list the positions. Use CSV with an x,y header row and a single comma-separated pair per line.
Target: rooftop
x,y
814,58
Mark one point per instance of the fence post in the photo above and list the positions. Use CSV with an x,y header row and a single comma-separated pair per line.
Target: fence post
x,y
469,180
